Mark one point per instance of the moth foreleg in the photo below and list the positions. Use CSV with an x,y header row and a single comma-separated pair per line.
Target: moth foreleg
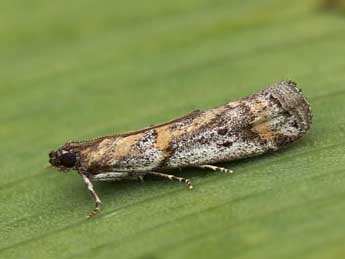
x,y
89,186
216,168
173,177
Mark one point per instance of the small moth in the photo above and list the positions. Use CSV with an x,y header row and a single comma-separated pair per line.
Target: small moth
x,y
265,121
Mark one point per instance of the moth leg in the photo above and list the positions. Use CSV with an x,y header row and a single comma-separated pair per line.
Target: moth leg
x,y
141,178
216,168
137,176
173,177
89,186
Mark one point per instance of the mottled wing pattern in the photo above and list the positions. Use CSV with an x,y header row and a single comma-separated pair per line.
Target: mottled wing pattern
x,y
263,122
251,126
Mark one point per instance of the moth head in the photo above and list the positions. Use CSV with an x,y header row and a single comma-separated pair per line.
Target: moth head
x,y
63,159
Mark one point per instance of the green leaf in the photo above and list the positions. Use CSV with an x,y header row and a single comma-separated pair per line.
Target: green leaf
x,y
78,69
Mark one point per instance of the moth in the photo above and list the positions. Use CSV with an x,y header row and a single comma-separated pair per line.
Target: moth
x,y
263,122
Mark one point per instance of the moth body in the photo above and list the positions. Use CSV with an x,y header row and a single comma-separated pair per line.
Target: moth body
x,y
265,121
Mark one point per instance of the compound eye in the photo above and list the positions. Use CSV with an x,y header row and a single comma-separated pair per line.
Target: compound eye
x,y
68,159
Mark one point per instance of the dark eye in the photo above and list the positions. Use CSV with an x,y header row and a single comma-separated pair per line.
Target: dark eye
x,y
68,159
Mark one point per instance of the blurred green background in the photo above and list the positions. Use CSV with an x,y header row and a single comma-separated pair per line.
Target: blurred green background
x,y
72,70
